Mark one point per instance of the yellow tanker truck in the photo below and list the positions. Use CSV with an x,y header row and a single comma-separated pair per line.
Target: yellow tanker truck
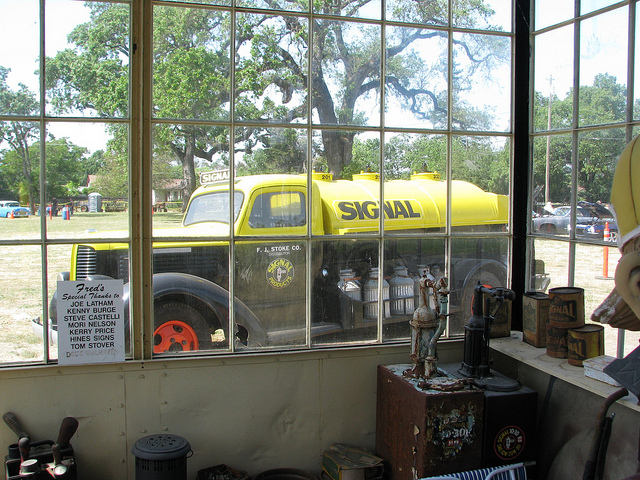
x,y
269,218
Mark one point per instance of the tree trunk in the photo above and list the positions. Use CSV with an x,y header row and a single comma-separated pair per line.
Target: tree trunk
x,y
338,148
189,170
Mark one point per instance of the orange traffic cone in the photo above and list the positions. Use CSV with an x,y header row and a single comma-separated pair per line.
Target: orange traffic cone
x,y
12,214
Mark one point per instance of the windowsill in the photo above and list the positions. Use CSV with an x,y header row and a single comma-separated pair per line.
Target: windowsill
x,y
537,358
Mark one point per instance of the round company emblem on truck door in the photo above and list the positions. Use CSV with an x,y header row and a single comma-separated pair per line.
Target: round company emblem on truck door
x,y
280,273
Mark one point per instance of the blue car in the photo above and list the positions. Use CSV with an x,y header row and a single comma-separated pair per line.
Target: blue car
x,y
9,206
596,230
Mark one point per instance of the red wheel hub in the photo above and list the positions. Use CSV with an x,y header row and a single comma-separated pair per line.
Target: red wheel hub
x,y
174,336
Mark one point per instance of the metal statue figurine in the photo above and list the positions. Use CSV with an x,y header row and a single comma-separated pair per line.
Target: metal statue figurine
x,y
427,326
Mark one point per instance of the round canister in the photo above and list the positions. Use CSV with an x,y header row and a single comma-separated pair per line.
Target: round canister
x,y
161,457
584,342
556,342
566,307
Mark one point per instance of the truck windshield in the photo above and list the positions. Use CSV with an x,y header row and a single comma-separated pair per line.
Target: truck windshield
x,y
213,207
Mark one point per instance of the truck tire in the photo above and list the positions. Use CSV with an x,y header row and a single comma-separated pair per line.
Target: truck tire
x,y
548,228
179,328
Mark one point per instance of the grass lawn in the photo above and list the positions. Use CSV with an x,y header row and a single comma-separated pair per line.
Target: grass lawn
x,y
21,267
78,225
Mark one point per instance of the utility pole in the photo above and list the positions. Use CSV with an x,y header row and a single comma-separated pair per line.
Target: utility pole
x,y
547,173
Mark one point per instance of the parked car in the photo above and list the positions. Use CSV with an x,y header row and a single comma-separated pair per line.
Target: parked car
x,y
596,230
587,214
8,206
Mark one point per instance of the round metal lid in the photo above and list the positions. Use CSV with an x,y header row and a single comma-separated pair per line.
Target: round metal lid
x,y
161,447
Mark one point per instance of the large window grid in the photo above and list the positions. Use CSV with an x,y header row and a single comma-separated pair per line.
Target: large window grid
x,y
388,132
577,137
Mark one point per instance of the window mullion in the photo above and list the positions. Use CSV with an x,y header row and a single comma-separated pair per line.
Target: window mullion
x,y
141,147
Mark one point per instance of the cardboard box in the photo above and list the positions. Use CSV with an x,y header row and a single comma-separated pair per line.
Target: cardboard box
x,y
342,462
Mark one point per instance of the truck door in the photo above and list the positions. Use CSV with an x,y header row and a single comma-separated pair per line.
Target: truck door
x,y
271,275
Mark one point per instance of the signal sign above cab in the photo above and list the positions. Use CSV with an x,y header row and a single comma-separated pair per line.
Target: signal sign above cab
x,y
207,178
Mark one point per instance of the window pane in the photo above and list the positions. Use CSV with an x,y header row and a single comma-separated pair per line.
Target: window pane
x,y
416,87
19,19
21,302
599,151
271,281
346,75
407,261
474,260
87,35
204,2
479,197
182,153
271,150
345,292
550,12
415,192
367,9
551,262
408,153
86,173
587,6
428,13
490,15
551,184
482,84
19,180
271,69
553,79
192,72
296,6
273,205
191,299
603,68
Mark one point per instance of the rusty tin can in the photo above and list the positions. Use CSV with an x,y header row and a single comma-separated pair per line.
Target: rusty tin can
x,y
566,307
535,315
584,342
556,342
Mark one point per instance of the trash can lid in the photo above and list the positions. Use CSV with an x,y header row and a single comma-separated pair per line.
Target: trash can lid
x,y
161,447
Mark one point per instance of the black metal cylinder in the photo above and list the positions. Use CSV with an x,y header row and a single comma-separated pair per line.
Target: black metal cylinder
x,y
161,457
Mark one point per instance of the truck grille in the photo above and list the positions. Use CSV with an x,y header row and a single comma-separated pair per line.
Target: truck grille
x,y
85,262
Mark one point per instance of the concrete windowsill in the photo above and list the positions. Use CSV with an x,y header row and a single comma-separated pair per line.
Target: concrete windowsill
x,y
537,358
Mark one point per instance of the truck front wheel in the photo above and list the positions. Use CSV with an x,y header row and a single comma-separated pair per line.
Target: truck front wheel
x,y
179,328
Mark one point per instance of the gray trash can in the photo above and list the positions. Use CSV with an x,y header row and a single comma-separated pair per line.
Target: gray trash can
x,y
161,457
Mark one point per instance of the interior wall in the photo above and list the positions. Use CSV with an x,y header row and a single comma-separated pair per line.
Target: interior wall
x,y
252,413
258,412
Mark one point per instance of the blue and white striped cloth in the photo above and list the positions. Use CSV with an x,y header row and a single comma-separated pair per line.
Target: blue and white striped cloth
x,y
509,472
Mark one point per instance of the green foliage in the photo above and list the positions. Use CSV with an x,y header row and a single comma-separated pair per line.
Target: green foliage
x,y
602,103
192,94
113,179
